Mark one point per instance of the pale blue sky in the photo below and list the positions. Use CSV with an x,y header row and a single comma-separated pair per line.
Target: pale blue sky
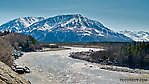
x,y
114,14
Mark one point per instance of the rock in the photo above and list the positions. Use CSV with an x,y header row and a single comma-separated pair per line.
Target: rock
x,y
91,66
8,76
20,69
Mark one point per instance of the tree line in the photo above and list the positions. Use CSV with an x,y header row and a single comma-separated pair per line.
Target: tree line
x,y
133,55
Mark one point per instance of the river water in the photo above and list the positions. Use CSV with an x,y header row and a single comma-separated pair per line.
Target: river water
x,y
55,67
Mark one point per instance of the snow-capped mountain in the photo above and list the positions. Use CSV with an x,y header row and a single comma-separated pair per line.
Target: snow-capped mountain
x,y
69,28
136,36
19,24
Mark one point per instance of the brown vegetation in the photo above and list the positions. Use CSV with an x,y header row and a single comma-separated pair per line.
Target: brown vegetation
x,y
6,52
20,42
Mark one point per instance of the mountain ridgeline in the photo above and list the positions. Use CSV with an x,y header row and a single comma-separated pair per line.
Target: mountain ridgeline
x,y
64,28
137,36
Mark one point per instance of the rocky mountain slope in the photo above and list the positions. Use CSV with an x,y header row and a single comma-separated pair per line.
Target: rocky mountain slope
x,y
19,24
137,36
67,28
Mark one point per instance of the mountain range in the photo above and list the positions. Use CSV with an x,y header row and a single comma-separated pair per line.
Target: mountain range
x,y
64,28
136,36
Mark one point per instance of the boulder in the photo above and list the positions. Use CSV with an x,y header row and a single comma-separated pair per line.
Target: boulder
x,y
20,69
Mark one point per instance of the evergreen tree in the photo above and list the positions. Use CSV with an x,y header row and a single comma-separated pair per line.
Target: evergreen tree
x,y
130,56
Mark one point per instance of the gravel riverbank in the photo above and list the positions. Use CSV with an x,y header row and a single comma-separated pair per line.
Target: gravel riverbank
x,y
105,64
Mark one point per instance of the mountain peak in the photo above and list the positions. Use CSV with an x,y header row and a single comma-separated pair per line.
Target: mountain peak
x,y
78,15
67,22
18,24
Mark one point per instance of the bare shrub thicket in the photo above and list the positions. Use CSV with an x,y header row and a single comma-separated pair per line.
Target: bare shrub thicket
x,y
6,52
